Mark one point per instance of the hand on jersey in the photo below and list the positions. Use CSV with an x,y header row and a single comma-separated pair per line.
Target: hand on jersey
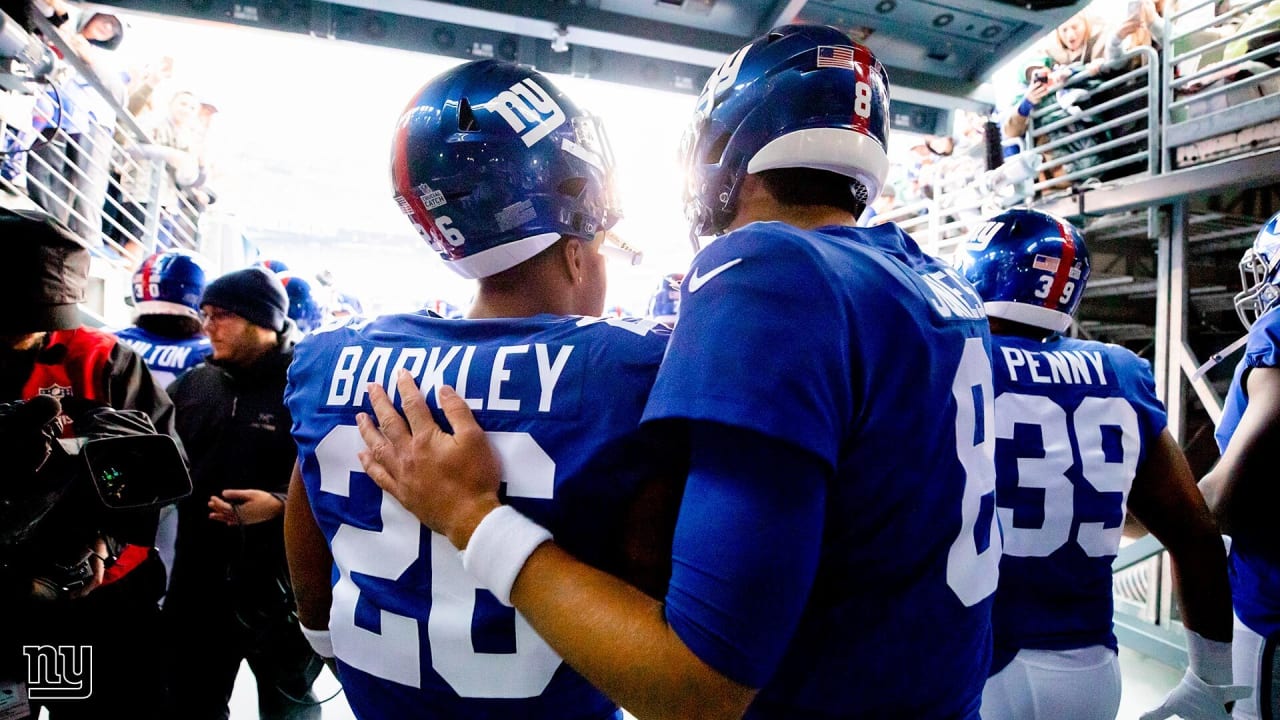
x,y
450,482
1194,699
244,507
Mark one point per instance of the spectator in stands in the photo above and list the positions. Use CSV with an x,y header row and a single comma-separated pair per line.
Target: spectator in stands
x,y
1042,79
956,174
886,202
68,170
1077,46
172,140
199,194
57,12
1143,28
1252,20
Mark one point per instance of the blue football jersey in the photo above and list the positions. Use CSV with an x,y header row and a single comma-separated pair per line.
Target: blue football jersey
x,y
561,401
853,345
1074,421
1255,564
166,357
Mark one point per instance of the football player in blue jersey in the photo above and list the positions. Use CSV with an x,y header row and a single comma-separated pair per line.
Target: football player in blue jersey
x,y
511,183
837,547
1241,487
1080,434
305,309
167,331
664,306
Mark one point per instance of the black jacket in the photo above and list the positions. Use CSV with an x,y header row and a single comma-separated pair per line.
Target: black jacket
x,y
236,430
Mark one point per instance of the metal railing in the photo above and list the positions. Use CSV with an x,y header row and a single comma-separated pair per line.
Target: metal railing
x,y
96,175
1146,618
1220,76
1213,91
1115,122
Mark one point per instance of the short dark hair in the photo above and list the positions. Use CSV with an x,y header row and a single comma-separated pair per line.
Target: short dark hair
x,y
170,326
516,276
807,186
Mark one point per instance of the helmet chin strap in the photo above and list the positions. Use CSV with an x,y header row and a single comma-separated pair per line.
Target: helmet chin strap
x,y
1217,358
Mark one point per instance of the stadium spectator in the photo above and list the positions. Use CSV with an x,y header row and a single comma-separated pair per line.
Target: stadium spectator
x,y
68,169
172,139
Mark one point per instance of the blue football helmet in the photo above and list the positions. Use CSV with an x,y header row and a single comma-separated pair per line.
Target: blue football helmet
x,y
664,306
169,283
305,309
1260,274
802,96
275,266
1029,267
493,164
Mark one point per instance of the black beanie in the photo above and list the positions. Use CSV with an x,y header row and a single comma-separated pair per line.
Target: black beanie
x,y
253,293
43,276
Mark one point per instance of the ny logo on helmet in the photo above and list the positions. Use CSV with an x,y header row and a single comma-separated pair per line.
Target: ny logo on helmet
x,y
721,80
524,106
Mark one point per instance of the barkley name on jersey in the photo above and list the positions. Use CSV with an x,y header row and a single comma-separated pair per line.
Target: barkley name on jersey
x,y
561,399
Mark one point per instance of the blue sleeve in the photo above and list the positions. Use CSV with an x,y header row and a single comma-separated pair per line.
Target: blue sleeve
x,y
762,343
1136,377
746,549
304,385
1264,341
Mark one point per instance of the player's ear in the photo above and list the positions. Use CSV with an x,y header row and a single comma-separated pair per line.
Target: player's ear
x,y
573,256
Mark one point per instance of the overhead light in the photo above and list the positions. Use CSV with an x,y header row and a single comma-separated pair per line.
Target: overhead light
x,y
560,41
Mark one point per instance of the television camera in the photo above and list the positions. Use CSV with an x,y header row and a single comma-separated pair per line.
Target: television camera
x,y
58,496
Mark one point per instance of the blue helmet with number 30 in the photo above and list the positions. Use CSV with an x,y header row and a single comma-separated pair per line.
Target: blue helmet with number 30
x,y
493,164
802,96
169,283
1029,267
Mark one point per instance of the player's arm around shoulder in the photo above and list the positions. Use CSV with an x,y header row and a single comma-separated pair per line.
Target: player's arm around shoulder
x,y
611,632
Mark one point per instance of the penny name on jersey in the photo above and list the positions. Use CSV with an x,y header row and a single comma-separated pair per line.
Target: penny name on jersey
x,y
1066,367
167,356
358,366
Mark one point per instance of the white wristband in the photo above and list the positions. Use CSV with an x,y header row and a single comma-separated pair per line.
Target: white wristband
x,y
319,641
1209,659
499,548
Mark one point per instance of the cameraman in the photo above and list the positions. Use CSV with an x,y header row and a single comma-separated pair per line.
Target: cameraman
x,y
44,350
